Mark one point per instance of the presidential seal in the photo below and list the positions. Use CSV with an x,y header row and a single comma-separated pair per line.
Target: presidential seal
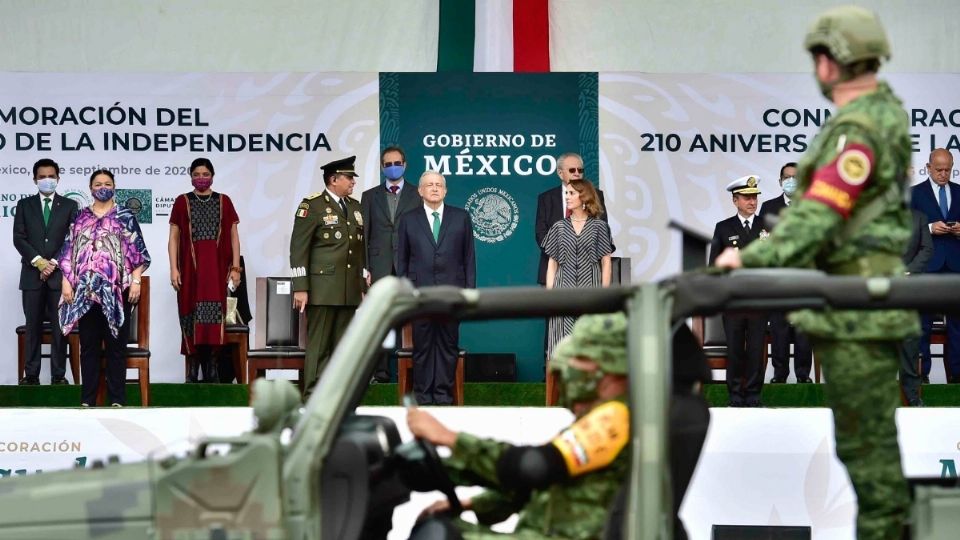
x,y
494,213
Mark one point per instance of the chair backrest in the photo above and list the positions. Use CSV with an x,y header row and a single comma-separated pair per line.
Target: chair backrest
x,y
278,323
713,332
140,317
620,270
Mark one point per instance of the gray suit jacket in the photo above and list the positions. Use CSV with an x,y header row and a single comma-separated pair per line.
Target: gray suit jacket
x,y
920,246
380,231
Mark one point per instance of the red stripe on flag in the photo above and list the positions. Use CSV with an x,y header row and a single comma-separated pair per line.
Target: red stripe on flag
x,y
531,35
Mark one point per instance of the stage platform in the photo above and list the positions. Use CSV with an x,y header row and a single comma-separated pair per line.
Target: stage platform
x,y
475,394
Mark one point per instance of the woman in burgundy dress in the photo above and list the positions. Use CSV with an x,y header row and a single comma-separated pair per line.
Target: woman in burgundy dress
x,y
204,250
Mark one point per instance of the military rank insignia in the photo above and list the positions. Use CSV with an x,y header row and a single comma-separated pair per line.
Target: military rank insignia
x,y
331,219
357,216
303,210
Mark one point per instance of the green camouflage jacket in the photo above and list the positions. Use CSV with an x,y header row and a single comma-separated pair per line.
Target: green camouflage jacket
x,y
860,156
575,509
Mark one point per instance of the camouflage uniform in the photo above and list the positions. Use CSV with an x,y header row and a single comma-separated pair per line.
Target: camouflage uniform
x,y
577,507
850,219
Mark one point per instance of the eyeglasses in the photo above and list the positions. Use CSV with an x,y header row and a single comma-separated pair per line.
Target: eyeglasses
x,y
575,170
392,163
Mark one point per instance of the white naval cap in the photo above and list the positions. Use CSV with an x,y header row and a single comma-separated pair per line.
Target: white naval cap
x,y
745,185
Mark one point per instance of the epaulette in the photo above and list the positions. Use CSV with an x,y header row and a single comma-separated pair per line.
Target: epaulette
x,y
313,196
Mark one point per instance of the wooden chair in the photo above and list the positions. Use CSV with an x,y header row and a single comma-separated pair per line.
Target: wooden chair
x,y
281,332
73,349
138,349
405,368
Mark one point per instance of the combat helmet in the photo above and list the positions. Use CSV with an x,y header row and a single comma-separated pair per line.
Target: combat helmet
x,y
603,339
850,33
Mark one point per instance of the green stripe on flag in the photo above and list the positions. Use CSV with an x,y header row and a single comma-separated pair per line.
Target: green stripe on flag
x,y
457,31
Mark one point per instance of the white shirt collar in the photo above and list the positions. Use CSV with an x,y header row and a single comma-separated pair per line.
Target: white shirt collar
x,y
786,199
398,183
47,197
936,187
333,196
747,218
430,212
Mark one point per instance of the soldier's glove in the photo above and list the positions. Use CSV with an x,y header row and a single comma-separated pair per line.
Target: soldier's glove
x,y
40,263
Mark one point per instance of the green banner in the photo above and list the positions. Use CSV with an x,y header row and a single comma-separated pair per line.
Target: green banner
x,y
495,137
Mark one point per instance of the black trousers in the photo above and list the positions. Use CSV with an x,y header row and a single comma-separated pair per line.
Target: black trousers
x,y
745,340
782,333
41,305
436,344
96,341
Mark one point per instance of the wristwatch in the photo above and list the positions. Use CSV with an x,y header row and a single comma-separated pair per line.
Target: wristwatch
x,y
136,281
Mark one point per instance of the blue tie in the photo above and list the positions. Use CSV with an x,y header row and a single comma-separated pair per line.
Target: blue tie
x,y
943,201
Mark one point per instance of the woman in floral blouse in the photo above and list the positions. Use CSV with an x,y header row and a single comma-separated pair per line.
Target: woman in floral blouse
x,y
102,260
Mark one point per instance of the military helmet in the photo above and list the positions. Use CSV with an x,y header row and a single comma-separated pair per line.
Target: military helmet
x,y
850,33
603,339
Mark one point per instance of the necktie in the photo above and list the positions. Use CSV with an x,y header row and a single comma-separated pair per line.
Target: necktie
x,y
394,189
944,209
393,200
46,211
436,226
746,225
343,206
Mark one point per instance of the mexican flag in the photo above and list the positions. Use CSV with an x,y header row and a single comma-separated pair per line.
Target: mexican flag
x,y
494,35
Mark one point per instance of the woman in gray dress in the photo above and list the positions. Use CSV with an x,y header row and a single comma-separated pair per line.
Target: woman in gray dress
x,y
579,248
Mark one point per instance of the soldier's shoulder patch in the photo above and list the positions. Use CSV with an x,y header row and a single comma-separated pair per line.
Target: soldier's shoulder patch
x,y
313,196
304,205
839,183
302,212
595,440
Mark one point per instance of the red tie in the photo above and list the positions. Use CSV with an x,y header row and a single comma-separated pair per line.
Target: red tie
x,y
394,189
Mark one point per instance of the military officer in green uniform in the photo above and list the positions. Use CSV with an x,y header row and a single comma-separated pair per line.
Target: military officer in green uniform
x,y
564,488
850,219
327,258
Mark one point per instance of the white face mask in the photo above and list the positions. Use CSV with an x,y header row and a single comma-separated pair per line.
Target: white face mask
x,y
789,186
47,185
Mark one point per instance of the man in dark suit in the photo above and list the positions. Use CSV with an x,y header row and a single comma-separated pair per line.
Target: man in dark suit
x,y
939,199
382,207
745,333
782,333
552,204
915,258
436,247
39,229
327,258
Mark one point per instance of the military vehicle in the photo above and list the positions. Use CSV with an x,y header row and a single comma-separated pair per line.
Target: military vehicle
x,y
320,471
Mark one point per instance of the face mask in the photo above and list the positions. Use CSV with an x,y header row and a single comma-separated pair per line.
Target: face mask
x,y
47,185
103,194
202,184
789,186
394,172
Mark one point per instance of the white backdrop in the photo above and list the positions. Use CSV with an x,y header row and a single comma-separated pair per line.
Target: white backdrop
x,y
265,186
657,161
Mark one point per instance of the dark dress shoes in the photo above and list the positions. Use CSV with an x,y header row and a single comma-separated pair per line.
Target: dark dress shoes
x,y
29,381
805,380
778,380
60,381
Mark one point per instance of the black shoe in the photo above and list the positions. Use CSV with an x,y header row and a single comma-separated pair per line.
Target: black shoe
x,y
29,381
60,381
380,377
805,380
778,380
752,403
925,379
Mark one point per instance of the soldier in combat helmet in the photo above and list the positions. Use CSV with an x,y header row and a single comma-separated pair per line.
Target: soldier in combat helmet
x,y
850,219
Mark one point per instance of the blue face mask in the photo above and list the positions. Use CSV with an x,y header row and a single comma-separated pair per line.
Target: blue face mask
x,y
394,172
103,194
47,185
789,186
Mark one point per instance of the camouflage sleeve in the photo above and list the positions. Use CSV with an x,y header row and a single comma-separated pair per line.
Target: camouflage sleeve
x,y
474,460
304,225
840,173
492,507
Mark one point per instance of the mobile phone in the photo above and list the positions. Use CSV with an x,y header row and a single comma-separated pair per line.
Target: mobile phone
x,y
951,223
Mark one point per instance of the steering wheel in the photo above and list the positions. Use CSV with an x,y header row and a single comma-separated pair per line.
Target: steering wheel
x,y
434,467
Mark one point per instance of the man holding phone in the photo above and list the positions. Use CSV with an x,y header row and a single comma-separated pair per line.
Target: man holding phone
x,y
939,199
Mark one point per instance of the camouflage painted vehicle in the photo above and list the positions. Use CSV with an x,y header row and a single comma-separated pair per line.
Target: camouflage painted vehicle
x,y
324,472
